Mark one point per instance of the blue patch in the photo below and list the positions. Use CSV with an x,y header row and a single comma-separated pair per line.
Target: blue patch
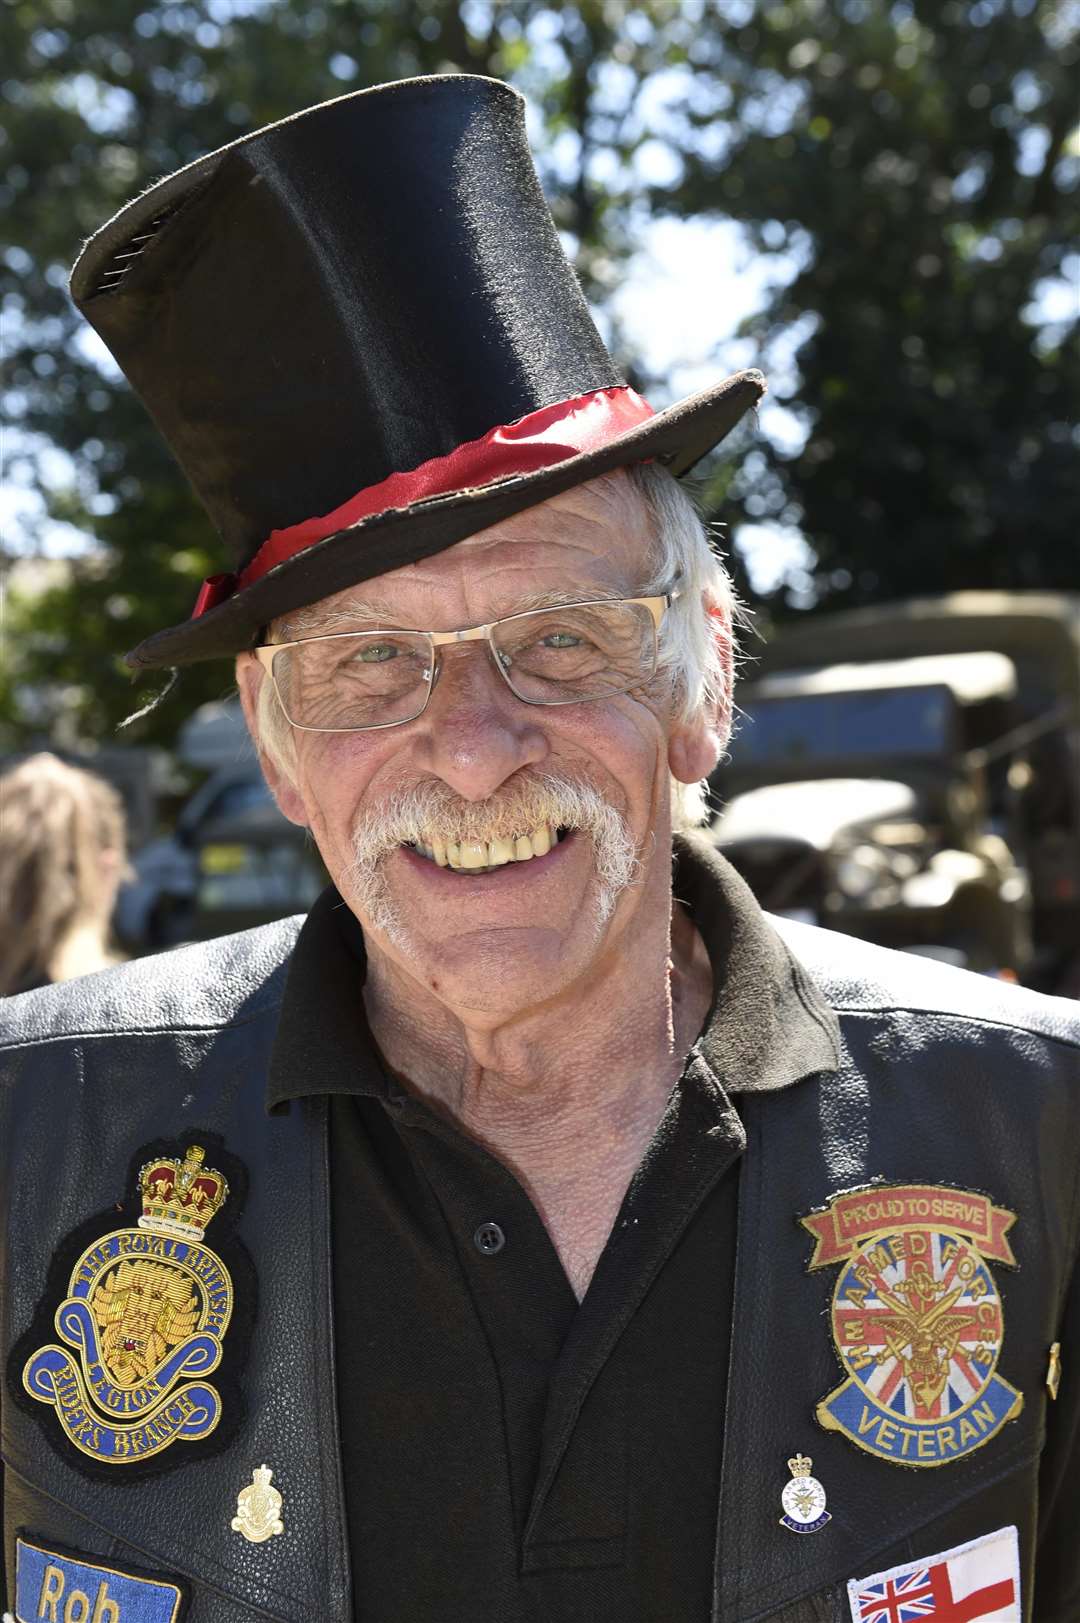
x,y
71,1589
848,1409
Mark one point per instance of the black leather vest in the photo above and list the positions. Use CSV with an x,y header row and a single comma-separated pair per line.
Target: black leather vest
x,y
944,1080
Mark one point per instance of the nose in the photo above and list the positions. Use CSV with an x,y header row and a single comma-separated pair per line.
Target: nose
x,y
476,732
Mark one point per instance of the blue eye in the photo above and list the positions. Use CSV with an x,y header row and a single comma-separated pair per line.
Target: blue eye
x,y
377,653
561,639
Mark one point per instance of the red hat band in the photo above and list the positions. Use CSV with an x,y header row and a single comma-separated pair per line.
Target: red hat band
x,y
540,439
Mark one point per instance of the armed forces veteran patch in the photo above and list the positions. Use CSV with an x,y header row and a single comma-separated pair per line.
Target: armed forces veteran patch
x,y
917,1320
142,1320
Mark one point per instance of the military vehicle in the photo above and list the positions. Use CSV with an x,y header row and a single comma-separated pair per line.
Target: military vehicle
x,y
232,860
911,774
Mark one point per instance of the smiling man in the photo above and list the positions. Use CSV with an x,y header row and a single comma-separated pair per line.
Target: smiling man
x,y
535,1233
494,803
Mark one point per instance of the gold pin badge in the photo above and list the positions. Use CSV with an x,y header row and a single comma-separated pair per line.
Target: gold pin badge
x,y
258,1508
1053,1370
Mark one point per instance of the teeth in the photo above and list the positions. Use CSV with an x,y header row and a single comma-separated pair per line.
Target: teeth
x,y
480,856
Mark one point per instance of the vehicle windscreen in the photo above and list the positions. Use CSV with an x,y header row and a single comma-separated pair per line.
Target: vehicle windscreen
x,y
810,727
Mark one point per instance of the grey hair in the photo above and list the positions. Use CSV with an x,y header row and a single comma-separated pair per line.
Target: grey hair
x,y
697,645
697,639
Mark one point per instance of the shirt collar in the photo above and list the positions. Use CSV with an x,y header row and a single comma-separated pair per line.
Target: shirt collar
x,y
768,1026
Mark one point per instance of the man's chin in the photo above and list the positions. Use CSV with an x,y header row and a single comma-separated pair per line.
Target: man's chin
x,y
505,960
502,972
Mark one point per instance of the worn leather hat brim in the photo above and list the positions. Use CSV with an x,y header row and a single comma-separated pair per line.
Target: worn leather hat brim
x,y
677,438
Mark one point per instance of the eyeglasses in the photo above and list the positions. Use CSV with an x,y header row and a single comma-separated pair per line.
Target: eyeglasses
x,y
355,681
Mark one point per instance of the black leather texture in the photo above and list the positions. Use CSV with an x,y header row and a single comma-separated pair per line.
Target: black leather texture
x,y
196,1032
943,1078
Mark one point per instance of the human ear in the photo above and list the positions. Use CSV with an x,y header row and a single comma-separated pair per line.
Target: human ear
x,y
696,743
694,748
249,679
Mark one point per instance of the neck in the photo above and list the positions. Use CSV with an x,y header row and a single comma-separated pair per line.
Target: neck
x,y
566,1094
81,951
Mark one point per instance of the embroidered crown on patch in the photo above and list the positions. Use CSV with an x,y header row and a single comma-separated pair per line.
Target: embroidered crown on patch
x,y
181,1197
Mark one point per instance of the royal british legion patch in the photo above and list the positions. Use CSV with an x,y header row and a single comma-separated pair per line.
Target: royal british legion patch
x,y
142,1324
917,1320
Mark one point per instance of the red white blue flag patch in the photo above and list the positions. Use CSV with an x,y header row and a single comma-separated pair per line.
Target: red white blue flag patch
x,y
917,1320
975,1583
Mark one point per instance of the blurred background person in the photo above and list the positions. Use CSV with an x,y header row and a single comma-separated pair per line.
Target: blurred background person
x,y
63,853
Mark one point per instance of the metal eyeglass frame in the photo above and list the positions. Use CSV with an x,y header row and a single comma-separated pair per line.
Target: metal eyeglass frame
x,y
657,607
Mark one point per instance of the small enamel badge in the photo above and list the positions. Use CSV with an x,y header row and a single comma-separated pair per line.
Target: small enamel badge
x,y
146,1310
917,1320
258,1508
803,1499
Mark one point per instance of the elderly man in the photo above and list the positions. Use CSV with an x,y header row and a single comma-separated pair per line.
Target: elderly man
x,y
541,1233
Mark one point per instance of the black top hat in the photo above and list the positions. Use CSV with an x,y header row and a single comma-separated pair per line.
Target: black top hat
x,y
359,335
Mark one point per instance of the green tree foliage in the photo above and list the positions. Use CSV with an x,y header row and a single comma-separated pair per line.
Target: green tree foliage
x,y
920,163
109,98
908,166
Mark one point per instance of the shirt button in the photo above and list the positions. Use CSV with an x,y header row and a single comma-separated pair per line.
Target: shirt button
x,y
489,1239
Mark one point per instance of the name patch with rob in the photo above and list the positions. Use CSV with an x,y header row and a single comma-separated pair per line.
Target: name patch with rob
x,y
61,1587
917,1320
142,1323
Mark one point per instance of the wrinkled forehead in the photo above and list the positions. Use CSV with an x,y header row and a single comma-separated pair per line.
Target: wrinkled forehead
x,y
596,539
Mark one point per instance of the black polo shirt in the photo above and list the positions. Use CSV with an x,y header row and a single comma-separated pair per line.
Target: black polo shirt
x,y
510,1456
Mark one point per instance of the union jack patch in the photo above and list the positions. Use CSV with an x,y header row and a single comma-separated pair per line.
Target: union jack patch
x,y
975,1583
917,1320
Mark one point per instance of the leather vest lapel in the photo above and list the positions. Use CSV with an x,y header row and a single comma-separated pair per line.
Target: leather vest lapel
x,y
779,1362
180,1521
803,1145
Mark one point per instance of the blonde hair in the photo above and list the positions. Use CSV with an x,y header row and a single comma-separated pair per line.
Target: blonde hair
x,y
697,646
56,823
